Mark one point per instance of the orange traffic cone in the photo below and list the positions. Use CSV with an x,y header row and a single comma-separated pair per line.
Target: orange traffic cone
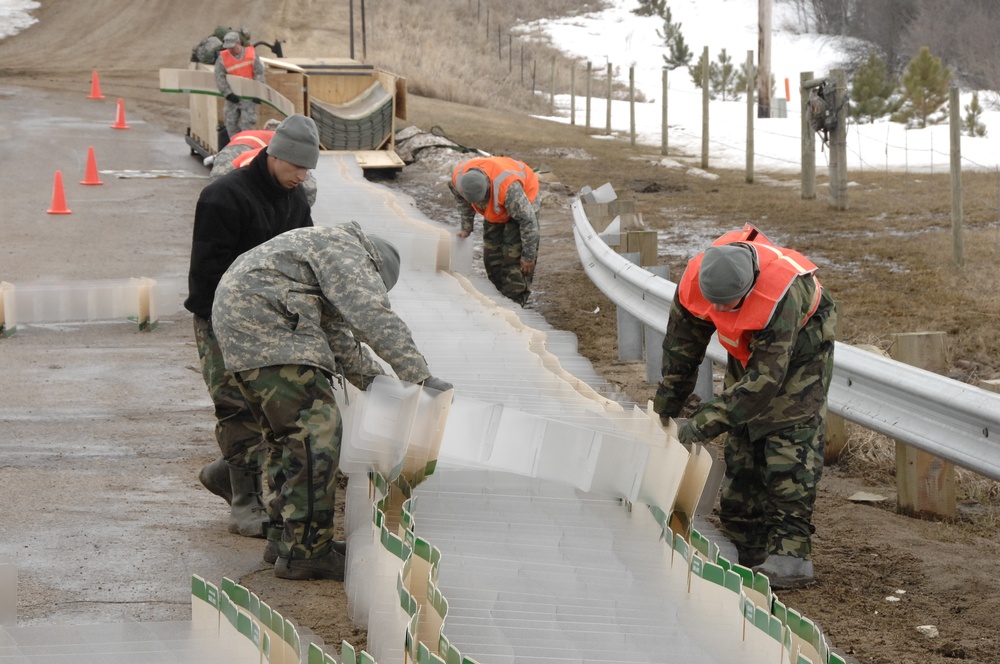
x,y
120,116
58,197
95,87
91,176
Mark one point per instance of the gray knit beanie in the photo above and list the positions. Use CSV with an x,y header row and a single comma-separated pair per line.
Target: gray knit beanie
x,y
474,185
296,140
726,273
390,260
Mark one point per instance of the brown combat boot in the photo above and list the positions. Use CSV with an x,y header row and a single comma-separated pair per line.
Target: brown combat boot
x,y
271,552
215,478
784,572
329,566
247,515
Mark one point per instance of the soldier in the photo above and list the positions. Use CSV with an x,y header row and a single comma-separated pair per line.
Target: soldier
x,y
777,323
235,213
291,316
244,147
235,59
502,190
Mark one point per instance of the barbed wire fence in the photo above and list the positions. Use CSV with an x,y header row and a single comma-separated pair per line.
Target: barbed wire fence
x,y
569,86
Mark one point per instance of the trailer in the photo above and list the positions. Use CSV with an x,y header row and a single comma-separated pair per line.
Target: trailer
x,y
354,104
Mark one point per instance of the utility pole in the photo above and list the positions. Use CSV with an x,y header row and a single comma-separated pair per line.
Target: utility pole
x,y
350,22
764,59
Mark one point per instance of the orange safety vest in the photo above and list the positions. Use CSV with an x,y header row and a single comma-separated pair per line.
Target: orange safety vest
x,y
244,158
234,67
255,138
778,268
502,172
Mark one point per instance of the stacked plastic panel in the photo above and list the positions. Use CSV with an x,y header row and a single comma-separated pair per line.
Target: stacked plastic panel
x,y
364,123
143,301
538,572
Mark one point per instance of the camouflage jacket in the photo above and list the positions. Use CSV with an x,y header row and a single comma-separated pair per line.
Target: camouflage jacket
x,y
520,210
312,296
767,394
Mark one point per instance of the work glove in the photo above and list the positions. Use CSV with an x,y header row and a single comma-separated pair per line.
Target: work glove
x,y
233,98
687,433
437,384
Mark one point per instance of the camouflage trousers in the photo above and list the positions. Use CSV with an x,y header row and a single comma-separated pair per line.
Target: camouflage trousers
x,y
302,429
236,428
239,117
502,259
770,484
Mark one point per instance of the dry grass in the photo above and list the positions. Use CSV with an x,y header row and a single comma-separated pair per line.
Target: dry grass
x,y
872,457
451,50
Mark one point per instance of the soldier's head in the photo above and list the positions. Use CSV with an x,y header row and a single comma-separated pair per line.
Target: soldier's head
x,y
232,42
293,150
726,275
474,185
389,255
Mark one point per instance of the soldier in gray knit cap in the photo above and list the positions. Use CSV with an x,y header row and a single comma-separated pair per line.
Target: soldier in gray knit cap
x,y
777,323
235,213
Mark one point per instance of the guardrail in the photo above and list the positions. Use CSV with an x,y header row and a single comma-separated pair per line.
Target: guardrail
x,y
947,418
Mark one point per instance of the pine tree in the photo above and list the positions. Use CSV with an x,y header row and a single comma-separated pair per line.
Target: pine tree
x,y
972,124
698,69
871,90
925,87
740,82
680,55
651,8
722,77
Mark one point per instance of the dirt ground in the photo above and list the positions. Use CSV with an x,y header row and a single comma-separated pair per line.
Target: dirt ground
x,y
881,575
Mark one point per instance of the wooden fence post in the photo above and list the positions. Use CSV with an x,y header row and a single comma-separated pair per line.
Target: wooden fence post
x,y
925,484
607,129
663,119
572,94
552,94
750,87
631,104
704,110
590,75
838,144
957,247
808,140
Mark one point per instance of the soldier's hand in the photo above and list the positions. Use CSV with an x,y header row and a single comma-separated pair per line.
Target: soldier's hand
x,y
527,267
437,384
462,234
687,433
233,98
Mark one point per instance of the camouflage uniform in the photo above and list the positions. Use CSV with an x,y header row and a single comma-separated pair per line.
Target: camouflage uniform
x,y
504,245
233,214
291,315
242,115
774,412
238,435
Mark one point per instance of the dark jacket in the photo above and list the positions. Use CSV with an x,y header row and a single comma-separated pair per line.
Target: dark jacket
x,y
237,212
